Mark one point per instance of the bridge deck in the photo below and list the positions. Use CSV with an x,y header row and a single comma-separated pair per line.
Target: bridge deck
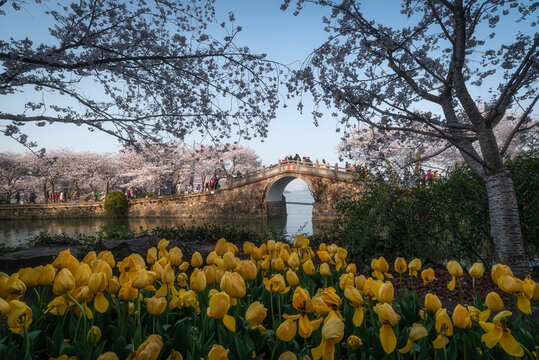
x,y
293,167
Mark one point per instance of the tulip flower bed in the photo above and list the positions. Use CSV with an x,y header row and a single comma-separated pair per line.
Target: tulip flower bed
x,y
278,302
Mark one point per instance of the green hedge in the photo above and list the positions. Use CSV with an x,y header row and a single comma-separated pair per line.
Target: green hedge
x,y
448,219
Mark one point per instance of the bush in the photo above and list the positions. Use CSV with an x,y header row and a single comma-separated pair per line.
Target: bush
x,y
448,219
116,204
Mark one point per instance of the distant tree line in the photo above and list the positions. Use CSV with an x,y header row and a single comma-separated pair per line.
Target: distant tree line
x,y
142,169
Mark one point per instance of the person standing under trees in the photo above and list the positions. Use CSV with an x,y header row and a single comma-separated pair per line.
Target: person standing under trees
x,y
17,197
96,195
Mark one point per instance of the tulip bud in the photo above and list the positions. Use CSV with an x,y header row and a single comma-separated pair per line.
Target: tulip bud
x,y
109,355
494,302
218,305
507,284
386,292
287,330
292,278
300,241
360,282
167,276
47,274
97,283
293,261
477,270
151,257
233,284
432,303
308,267
107,257
346,280
184,266
209,272
196,259
150,348
461,317
351,268
248,270
198,280
454,268
277,264
218,352
114,285
288,355
82,275
248,247
64,282
229,261
91,256
156,305
255,314
175,256
256,254
94,335
175,355
324,270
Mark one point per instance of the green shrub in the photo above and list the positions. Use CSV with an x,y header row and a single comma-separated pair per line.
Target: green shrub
x,y
116,204
448,219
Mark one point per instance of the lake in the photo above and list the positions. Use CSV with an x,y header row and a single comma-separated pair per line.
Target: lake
x,y
299,220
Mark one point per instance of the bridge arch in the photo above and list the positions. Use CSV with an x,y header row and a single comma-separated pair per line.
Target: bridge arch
x,y
275,189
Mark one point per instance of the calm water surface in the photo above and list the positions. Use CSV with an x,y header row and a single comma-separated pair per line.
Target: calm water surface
x,y
299,220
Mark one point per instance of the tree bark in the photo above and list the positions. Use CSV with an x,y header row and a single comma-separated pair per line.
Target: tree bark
x,y
505,223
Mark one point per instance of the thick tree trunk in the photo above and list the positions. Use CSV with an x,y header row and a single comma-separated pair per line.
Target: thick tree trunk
x,y
505,223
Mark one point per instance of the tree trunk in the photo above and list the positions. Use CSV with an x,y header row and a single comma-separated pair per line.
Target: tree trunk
x,y
505,223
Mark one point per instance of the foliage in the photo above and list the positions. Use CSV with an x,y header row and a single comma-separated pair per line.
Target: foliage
x,y
449,215
116,204
246,309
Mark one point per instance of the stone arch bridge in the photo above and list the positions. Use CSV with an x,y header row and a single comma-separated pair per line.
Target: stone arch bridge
x,y
261,192
255,194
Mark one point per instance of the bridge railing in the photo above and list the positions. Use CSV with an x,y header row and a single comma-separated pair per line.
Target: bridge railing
x,y
315,168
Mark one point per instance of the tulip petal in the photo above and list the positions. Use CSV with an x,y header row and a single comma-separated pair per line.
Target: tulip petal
x,y
510,345
451,285
407,348
524,305
318,351
492,337
305,326
101,303
388,339
358,316
229,322
438,343
484,315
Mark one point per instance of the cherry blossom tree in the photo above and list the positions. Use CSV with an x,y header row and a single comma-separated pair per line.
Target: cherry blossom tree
x,y
430,74
150,68
13,170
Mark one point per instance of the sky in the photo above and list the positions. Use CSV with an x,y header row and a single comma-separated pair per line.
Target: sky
x,y
266,29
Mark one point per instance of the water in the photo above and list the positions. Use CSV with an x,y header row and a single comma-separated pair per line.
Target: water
x,y
299,220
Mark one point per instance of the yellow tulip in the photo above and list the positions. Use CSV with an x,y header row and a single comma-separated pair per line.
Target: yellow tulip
x,y
149,349
308,267
417,332
151,256
428,275
29,276
300,241
19,316
360,282
324,256
175,355
494,302
218,305
107,257
109,355
400,265
474,313
455,270
196,259
276,284
330,297
4,307
292,278
356,300
255,315
229,261
287,330
346,280
47,275
248,247
64,282
97,282
156,305
198,280
293,261
507,284
256,254
325,270
82,275
94,335
332,333
175,256
66,260
319,305
58,306
432,303
233,284
461,317
277,264
248,270
218,352
127,292
90,257
414,266
381,268
182,279
288,355
184,266
386,293
444,327
498,270
11,288
101,266
101,303
496,332
167,275
368,288
477,270
284,254
340,259
354,342
143,279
